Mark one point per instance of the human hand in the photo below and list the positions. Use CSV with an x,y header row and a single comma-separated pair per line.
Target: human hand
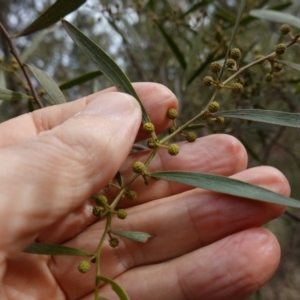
x,y
206,245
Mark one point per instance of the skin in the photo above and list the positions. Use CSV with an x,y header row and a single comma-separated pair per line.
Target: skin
x,y
206,245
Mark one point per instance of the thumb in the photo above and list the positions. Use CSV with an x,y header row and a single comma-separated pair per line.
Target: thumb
x,y
44,178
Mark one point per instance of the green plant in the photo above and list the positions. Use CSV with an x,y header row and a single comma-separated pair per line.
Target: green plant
x,y
208,115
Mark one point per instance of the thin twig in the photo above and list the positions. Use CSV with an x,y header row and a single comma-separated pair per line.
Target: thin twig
x,y
292,216
271,55
22,66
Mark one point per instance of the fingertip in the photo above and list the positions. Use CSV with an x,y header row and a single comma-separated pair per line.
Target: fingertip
x,y
231,146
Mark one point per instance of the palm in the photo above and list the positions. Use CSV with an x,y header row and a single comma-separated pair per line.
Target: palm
x,y
206,245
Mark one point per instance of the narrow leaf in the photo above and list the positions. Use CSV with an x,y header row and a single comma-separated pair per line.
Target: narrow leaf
x,y
276,16
104,62
79,80
226,185
280,6
134,235
49,249
290,64
117,288
264,116
175,49
11,95
48,84
51,15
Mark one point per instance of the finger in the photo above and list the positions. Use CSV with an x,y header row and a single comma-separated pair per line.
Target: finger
x,y
153,96
230,269
181,224
53,173
199,156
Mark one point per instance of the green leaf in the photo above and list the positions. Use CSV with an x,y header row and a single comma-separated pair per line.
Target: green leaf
x,y
280,6
226,185
79,80
290,64
49,249
8,95
264,116
118,290
106,65
51,15
276,16
134,235
48,84
177,52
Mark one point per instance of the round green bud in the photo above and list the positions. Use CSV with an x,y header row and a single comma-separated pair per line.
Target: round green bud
x,y
285,29
277,67
84,266
268,77
208,80
173,149
235,53
172,113
172,129
131,194
215,67
219,120
280,49
237,88
191,137
213,107
230,63
139,167
97,210
101,200
151,144
121,214
113,242
148,127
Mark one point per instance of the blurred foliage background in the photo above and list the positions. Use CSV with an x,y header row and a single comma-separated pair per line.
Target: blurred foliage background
x,y
173,42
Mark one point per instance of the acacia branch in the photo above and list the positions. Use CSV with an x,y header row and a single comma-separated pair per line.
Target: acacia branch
x,y
14,52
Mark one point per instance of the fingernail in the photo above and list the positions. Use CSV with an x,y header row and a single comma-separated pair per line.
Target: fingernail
x,y
111,105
